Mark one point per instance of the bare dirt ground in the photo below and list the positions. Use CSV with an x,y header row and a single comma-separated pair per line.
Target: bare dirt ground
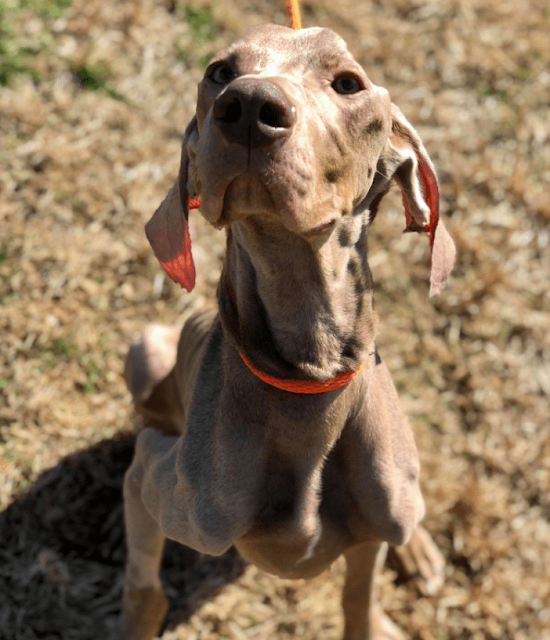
x,y
94,98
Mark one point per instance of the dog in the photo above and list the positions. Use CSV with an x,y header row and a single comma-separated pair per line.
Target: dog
x,y
271,423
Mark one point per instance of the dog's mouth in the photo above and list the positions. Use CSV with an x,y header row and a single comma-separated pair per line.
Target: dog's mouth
x,y
239,197
233,186
246,195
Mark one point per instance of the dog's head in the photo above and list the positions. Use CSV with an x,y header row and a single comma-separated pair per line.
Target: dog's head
x,y
288,126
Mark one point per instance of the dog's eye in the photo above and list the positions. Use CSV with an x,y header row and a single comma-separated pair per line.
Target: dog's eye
x,y
222,74
346,85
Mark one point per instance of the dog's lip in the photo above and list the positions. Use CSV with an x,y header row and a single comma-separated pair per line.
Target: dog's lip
x,y
284,204
211,207
325,227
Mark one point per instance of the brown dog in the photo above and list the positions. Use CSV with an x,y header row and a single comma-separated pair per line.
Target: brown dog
x,y
272,425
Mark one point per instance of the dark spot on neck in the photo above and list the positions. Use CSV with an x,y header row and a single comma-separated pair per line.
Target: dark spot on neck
x,y
361,246
373,127
333,175
351,348
360,305
344,236
353,267
359,286
336,139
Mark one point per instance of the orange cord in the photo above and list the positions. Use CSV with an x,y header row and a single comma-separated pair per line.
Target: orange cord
x,y
293,11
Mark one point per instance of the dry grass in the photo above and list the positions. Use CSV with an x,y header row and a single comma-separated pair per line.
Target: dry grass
x,y
96,96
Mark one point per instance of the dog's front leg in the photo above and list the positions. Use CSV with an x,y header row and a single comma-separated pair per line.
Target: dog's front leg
x,y
363,616
144,604
177,488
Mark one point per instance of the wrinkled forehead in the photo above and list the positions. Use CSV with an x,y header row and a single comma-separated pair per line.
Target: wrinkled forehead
x,y
273,47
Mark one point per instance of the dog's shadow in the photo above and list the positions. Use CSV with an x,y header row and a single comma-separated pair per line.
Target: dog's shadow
x,y
62,553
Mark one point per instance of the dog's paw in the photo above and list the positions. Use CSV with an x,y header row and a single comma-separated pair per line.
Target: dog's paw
x,y
420,560
387,630
143,611
380,627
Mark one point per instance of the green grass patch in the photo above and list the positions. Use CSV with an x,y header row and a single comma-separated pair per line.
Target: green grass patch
x,y
17,50
94,78
94,376
203,61
201,22
500,95
50,9
15,58
47,9
62,348
524,73
57,351
10,68
184,56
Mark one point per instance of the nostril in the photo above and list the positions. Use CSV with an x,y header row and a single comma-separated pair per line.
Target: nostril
x,y
274,115
253,112
231,113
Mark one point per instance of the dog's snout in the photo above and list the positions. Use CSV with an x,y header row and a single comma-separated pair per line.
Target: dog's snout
x,y
254,113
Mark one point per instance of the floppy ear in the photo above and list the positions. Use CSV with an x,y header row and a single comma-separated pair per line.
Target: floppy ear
x,y
168,231
415,175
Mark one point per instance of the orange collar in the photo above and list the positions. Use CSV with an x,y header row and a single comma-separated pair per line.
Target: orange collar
x,y
304,386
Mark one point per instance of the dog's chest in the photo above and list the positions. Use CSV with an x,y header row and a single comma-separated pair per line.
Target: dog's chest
x,y
302,521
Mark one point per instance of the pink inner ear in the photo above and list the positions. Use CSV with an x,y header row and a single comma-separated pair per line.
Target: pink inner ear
x,y
431,195
182,268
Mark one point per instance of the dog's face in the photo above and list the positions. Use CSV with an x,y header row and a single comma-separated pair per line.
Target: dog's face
x,y
289,127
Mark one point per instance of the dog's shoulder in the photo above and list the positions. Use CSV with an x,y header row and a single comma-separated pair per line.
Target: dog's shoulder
x,y
381,461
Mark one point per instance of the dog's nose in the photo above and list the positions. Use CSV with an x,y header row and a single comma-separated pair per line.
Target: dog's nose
x,y
254,113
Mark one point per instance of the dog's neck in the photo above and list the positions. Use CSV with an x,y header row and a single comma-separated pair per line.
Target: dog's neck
x,y
297,308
